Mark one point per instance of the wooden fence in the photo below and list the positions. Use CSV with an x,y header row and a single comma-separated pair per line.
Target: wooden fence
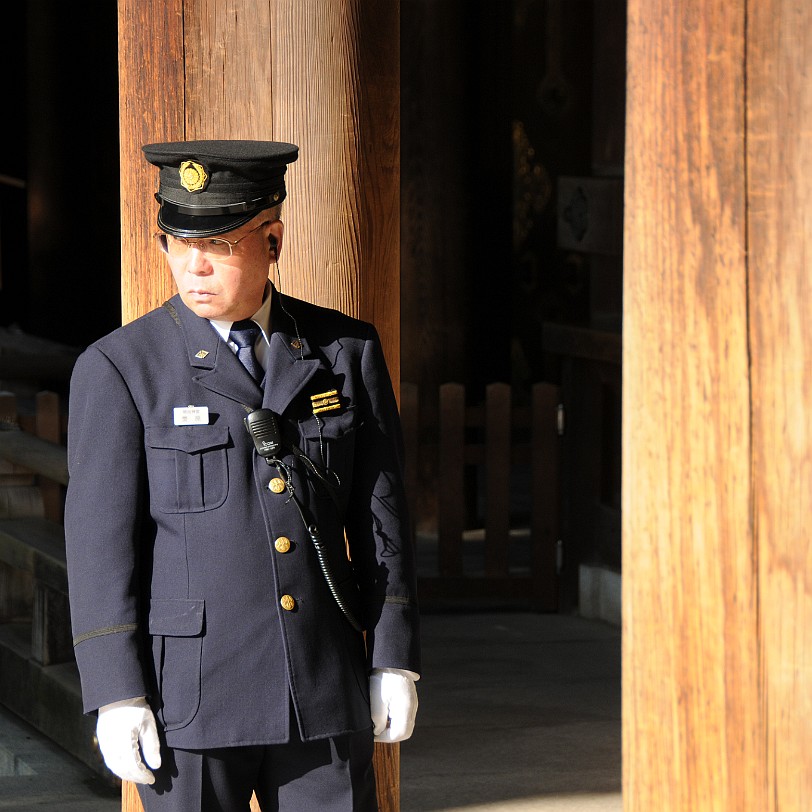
x,y
505,447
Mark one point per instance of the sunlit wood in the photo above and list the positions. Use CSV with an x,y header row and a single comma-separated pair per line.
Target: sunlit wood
x,y
717,423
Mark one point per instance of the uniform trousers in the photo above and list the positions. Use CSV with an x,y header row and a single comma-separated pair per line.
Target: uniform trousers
x,y
327,775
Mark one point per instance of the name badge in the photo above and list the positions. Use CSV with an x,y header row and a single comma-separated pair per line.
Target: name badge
x,y
191,415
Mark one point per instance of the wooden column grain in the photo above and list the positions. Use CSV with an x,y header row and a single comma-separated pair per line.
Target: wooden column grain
x,y
718,407
151,108
324,75
779,178
692,722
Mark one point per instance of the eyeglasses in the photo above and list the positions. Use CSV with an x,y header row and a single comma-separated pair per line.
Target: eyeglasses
x,y
216,247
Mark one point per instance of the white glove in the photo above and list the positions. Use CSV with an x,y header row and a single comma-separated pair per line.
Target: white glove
x,y
121,728
393,703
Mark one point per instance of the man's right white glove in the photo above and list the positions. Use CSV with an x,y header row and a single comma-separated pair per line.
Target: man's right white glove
x,y
393,703
125,730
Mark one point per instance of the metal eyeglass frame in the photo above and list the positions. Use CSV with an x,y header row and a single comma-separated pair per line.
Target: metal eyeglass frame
x,y
202,244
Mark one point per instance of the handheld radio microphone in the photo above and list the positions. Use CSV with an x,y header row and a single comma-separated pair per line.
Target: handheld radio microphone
x,y
263,426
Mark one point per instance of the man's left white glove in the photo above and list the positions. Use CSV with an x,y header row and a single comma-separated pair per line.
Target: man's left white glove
x,y
125,730
393,703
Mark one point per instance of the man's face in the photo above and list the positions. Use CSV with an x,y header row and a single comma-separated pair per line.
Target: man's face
x,y
228,288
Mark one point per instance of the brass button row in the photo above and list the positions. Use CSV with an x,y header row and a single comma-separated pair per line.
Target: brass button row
x,y
282,544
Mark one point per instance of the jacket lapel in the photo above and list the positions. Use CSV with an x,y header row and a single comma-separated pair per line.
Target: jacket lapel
x,y
289,370
219,370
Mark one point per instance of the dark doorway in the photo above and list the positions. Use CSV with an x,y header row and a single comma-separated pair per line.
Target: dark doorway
x,y
512,177
59,204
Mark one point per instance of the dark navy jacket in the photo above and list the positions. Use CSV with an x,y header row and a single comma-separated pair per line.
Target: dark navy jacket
x,y
175,579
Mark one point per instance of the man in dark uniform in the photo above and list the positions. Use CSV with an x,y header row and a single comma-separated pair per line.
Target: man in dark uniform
x,y
236,521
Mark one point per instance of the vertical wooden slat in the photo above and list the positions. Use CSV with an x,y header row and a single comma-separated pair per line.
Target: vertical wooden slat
x,y
387,776
51,641
450,479
16,586
11,474
130,802
779,169
545,478
693,733
47,420
497,478
410,420
48,426
7,587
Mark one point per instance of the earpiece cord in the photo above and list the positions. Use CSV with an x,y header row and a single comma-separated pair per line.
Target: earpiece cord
x,y
285,310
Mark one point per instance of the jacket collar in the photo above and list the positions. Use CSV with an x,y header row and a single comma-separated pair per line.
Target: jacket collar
x,y
289,367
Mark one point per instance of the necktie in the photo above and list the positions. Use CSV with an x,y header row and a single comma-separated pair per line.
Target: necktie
x,y
244,334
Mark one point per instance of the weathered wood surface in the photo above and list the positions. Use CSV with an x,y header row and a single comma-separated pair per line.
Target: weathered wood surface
x,y
779,174
151,108
245,69
717,417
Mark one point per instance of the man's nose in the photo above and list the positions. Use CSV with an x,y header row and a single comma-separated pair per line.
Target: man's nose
x,y
197,262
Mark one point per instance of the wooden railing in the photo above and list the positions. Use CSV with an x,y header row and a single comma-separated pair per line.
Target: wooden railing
x,y
33,470
494,441
38,676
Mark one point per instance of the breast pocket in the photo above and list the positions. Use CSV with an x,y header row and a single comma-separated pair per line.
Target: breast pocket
x,y
331,445
187,467
176,627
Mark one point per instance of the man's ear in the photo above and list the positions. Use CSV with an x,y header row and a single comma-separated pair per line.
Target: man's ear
x,y
276,230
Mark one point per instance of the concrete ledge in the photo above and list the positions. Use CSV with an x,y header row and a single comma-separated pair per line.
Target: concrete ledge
x,y
35,545
599,594
47,697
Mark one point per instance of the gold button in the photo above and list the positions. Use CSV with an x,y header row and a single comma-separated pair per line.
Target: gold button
x,y
287,602
282,544
296,344
276,485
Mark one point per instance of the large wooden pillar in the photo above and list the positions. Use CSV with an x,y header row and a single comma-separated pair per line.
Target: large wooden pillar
x,y
717,419
322,74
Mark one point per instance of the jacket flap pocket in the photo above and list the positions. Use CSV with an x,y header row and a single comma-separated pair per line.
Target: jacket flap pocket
x,y
333,426
187,438
175,618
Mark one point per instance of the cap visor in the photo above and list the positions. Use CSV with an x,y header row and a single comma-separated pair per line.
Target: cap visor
x,y
186,225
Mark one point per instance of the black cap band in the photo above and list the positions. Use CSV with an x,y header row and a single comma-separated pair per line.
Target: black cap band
x,y
257,204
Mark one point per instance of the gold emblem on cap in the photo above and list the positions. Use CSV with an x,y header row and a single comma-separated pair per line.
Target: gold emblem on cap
x,y
193,176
